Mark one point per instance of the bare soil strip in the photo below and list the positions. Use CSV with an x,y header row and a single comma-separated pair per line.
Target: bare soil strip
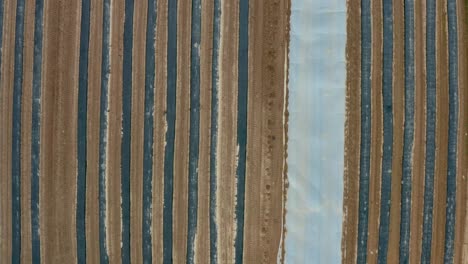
x,y
182,125
202,238
265,141
6,97
26,116
58,143
376,134
440,175
138,104
160,127
113,201
352,133
227,140
94,97
417,195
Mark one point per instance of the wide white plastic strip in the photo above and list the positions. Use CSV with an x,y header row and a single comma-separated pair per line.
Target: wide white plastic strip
x,y
317,76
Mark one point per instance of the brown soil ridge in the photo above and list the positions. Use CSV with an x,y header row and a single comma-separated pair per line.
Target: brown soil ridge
x,y
182,132
137,134
352,133
376,151
26,117
417,181
265,139
160,127
58,132
93,118
113,148
6,123
202,236
227,149
440,175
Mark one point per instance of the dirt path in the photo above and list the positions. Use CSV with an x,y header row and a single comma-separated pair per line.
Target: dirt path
x,y
58,145
265,138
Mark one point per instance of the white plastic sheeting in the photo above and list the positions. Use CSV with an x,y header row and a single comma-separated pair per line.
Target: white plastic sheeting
x,y
317,75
